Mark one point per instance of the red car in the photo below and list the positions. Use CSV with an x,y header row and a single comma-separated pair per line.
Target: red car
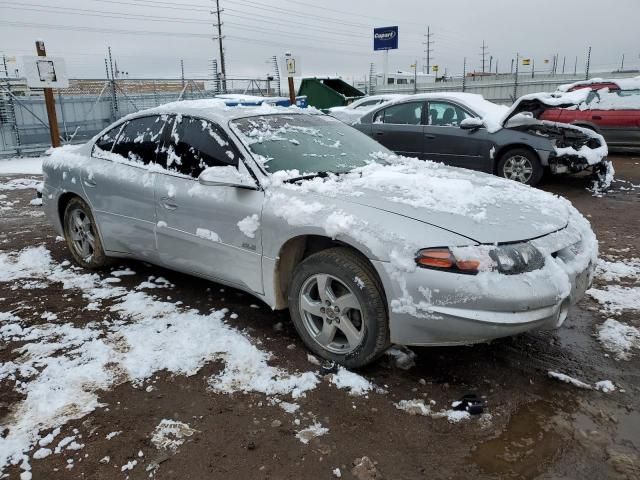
x,y
612,109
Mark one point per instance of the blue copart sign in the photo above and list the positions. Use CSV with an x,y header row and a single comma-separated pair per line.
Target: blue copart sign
x,y
385,38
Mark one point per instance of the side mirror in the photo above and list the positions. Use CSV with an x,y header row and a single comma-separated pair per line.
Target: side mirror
x,y
471,123
225,177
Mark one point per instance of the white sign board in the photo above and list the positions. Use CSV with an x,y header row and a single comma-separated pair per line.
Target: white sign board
x,y
291,66
45,72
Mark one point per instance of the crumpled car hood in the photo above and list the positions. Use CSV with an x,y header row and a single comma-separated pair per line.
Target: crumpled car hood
x,y
536,103
481,207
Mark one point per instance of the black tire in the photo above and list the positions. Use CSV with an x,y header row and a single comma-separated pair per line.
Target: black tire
x,y
514,158
347,271
93,257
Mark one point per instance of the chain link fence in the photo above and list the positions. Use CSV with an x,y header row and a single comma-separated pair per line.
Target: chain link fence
x,y
88,106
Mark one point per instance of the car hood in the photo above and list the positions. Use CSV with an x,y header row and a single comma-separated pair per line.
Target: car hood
x,y
536,103
481,207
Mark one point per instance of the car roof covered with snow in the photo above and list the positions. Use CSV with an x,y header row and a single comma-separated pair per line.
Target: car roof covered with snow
x,y
218,111
629,83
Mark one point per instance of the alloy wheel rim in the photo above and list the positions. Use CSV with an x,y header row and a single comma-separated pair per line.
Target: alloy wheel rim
x,y
518,168
331,314
82,234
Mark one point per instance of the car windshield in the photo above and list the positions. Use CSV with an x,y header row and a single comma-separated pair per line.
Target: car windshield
x,y
307,143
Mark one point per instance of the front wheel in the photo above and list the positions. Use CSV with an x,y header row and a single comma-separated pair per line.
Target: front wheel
x,y
81,234
521,165
337,305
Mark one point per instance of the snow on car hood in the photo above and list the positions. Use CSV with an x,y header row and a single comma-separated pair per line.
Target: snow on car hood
x,y
481,207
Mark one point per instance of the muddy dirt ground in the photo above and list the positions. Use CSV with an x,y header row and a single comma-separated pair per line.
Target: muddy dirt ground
x,y
538,427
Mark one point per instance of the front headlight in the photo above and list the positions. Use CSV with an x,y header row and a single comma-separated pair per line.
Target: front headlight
x,y
507,259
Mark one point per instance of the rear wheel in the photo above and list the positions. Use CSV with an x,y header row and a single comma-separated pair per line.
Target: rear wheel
x,y
521,165
81,235
337,306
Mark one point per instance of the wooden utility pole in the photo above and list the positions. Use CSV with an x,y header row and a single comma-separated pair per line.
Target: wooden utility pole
x,y
50,103
223,67
290,65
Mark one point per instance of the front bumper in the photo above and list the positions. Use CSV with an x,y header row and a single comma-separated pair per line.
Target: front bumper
x,y
431,308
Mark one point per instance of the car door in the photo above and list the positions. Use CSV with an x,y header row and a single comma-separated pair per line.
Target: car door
x,y
399,128
446,142
197,229
118,182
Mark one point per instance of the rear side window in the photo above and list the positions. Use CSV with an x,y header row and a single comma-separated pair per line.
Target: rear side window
x,y
409,113
106,141
197,144
140,139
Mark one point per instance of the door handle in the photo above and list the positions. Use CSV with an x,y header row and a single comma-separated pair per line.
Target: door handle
x,y
168,204
428,135
379,134
90,183
596,117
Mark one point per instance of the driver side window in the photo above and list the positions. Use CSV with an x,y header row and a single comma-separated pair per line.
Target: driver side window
x,y
196,144
445,114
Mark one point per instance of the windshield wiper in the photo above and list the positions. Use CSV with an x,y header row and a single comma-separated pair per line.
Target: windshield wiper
x,y
307,177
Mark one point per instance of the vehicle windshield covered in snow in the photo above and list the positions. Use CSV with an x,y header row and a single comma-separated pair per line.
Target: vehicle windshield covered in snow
x,y
308,143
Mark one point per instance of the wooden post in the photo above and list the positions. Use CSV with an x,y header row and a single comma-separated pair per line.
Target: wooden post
x,y
292,91
50,103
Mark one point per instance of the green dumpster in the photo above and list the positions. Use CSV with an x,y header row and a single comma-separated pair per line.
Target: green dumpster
x,y
325,93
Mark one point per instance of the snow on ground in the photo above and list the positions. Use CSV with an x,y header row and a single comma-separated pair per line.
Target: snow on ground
x,y
570,380
21,165
614,271
614,299
170,434
312,431
418,407
21,184
618,338
57,359
62,367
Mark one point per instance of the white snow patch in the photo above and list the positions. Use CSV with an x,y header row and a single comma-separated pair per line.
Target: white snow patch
x,y
605,386
21,165
312,431
249,225
614,299
570,380
356,384
418,407
619,338
207,234
170,434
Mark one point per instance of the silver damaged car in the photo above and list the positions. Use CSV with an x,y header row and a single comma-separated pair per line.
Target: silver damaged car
x,y
364,247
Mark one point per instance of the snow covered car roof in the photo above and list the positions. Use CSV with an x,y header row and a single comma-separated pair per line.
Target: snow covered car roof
x,y
630,83
218,111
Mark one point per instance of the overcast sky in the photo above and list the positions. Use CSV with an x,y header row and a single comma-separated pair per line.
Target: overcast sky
x,y
149,37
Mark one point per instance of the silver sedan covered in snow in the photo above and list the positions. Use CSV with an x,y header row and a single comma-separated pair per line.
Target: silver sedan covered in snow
x,y
365,248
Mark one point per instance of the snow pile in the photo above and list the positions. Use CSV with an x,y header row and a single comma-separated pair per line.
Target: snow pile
x,y
249,225
570,380
605,386
312,431
618,338
607,100
593,156
62,368
207,234
614,299
418,407
356,384
170,434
